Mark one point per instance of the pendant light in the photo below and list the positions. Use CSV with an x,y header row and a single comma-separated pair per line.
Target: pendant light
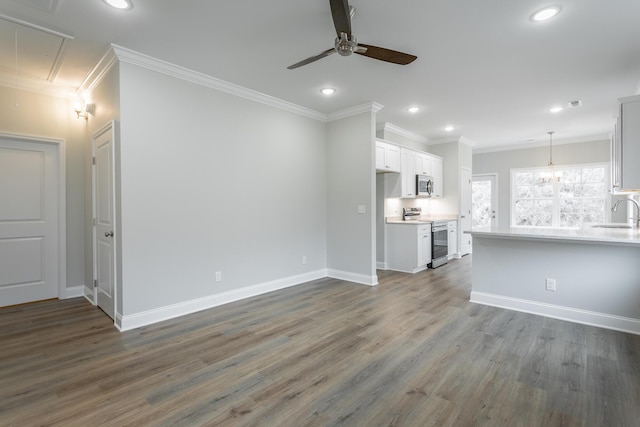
x,y
550,175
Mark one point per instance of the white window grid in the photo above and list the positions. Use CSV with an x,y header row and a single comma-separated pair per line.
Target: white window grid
x,y
550,194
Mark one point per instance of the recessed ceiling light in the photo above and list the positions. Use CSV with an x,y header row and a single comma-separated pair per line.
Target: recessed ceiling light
x,y
546,13
555,109
413,109
449,128
119,4
328,91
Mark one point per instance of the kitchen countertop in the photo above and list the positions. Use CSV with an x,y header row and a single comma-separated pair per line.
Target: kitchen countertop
x,y
423,219
586,234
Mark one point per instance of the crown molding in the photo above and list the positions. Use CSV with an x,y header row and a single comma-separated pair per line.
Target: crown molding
x,y
144,61
118,53
466,141
577,140
99,71
368,107
390,127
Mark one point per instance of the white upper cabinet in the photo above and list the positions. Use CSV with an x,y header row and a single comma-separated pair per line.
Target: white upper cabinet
x,y
423,164
626,146
408,163
387,157
408,175
437,173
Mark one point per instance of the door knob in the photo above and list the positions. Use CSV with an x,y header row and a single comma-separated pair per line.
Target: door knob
x,y
108,234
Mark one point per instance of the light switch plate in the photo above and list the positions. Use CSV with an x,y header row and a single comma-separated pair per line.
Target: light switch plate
x,y
550,284
362,209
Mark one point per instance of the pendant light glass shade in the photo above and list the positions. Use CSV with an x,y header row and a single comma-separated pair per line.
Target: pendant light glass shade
x,y
550,174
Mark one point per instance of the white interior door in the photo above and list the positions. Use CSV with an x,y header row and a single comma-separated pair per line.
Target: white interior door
x,y
104,220
29,186
465,211
484,210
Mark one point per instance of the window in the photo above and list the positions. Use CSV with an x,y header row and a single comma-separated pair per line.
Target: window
x,y
579,195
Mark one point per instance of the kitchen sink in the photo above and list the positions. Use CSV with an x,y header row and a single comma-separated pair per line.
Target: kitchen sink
x,y
612,225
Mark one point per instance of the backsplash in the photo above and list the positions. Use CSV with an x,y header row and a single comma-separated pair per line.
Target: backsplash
x,y
393,206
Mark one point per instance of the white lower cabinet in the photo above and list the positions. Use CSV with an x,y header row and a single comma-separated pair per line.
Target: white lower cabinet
x,y
452,240
408,247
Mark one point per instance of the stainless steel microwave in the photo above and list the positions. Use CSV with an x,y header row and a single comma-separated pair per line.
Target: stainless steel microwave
x,y
424,185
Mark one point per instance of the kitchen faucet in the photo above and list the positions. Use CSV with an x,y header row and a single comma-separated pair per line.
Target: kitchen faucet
x,y
637,217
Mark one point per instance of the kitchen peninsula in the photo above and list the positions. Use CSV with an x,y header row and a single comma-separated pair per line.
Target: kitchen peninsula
x,y
590,275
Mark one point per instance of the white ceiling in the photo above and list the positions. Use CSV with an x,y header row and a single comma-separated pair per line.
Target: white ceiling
x,y
482,66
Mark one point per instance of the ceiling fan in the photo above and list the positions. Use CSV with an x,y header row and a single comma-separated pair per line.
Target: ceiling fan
x,y
346,43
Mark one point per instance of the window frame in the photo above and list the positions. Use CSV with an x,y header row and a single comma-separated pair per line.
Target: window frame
x,y
555,218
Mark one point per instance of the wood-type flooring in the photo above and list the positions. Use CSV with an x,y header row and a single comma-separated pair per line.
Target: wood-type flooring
x,y
410,352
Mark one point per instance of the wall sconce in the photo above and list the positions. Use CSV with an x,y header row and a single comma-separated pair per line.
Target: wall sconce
x,y
83,110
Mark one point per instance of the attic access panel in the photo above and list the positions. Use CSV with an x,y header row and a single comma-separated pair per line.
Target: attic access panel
x,y
40,52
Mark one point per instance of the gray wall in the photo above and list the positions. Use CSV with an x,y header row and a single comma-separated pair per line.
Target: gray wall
x,y
211,182
53,117
501,163
351,182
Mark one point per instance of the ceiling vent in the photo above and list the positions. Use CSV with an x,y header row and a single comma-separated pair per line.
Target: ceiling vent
x,y
575,104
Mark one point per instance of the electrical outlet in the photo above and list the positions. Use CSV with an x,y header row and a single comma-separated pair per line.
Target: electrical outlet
x,y
218,276
304,259
362,209
550,285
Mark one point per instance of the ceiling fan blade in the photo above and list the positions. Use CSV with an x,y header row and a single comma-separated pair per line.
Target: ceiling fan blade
x,y
341,17
312,59
387,55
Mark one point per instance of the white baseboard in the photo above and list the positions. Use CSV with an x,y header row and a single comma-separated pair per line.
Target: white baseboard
x,y
353,277
381,265
73,292
592,318
137,320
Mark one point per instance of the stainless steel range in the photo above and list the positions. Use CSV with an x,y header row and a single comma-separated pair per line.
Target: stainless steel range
x,y
409,214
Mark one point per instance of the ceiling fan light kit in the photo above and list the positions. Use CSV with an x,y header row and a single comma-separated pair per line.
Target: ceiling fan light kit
x,y
346,44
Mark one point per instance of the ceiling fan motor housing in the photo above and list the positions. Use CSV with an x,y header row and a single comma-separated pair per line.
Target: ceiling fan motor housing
x,y
345,46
